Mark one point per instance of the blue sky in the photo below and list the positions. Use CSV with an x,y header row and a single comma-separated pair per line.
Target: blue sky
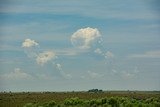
x,y
43,47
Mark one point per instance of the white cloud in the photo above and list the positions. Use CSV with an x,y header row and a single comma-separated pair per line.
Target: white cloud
x,y
29,43
123,74
109,54
126,74
44,57
149,54
83,38
106,55
58,66
16,74
98,51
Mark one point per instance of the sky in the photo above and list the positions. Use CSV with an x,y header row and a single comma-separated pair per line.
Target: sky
x,y
66,45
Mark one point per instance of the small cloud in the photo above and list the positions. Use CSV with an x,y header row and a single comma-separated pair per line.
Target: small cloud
x,y
83,38
16,74
126,74
44,57
58,66
106,55
65,75
132,74
109,54
98,51
149,54
29,43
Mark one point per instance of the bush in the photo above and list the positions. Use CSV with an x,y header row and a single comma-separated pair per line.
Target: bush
x,y
113,102
92,102
129,105
51,104
73,101
29,105
157,104
104,100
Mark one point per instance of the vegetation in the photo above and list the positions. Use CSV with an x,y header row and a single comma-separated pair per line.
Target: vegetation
x,y
103,102
81,99
95,90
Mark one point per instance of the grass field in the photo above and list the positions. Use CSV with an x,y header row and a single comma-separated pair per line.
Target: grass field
x,y
66,98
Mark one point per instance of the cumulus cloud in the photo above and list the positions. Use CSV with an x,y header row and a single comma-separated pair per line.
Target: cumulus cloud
x,y
16,74
98,51
30,48
83,38
149,54
29,43
58,66
109,54
44,57
106,55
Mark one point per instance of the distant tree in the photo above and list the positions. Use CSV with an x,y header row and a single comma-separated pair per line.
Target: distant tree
x,y
95,90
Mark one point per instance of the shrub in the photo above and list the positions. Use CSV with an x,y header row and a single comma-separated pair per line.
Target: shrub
x,y
51,104
101,102
113,102
73,101
28,105
104,100
92,102
129,105
156,104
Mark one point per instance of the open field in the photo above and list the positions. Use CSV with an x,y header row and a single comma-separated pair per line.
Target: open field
x,y
20,99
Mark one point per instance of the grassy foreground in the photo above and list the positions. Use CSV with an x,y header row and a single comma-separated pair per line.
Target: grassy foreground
x,y
81,99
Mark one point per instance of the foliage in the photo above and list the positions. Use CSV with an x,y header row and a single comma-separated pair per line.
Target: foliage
x,y
73,101
81,99
95,90
103,102
51,104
